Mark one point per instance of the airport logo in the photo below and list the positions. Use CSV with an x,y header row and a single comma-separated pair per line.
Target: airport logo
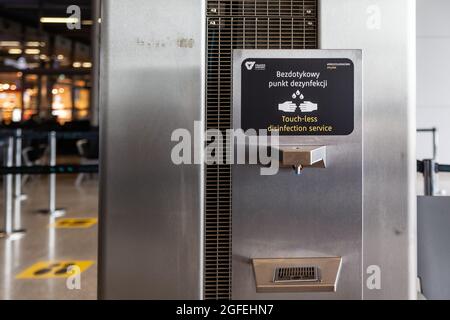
x,y
249,65
252,65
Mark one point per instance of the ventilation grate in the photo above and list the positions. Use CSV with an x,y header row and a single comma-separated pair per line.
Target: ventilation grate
x,y
244,24
296,274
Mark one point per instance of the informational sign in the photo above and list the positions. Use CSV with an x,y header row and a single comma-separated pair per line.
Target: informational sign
x,y
298,97
53,269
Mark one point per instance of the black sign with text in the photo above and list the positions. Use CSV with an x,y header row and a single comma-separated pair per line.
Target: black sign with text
x,y
298,97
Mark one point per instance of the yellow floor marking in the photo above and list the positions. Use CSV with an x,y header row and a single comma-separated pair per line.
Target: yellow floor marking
x,y
53,269
74,223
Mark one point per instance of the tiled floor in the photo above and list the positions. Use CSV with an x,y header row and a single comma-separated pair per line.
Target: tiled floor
x,y
44,243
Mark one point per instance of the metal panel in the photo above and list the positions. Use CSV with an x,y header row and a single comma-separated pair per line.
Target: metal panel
x,y
317,214
385,31
152,59
433,219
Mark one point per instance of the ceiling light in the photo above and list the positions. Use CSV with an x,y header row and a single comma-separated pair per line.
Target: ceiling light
x,y
10,43
87,64
59,20
77,64
15,51
33,44
60,57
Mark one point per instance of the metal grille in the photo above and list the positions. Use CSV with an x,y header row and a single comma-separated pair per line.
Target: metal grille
x,y
296,274
243,24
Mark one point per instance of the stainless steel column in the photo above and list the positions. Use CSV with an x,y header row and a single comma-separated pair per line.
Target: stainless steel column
x,y
385,31
12,213
151,83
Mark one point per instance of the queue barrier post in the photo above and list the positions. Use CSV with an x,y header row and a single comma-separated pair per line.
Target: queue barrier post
x,y
9,232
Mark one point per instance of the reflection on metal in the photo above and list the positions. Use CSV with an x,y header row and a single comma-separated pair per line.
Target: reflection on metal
x,y
306,274
300,157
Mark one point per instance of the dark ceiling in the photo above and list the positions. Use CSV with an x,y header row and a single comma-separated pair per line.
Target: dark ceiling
x,y
29,12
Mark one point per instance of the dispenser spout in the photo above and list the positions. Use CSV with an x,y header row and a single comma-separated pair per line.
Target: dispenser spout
x,y
302,157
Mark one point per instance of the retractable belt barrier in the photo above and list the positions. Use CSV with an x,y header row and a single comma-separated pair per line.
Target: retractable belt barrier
x,y
61,135
438,167
59,169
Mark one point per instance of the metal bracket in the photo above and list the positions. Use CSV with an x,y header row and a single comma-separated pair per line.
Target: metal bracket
x,y
300,157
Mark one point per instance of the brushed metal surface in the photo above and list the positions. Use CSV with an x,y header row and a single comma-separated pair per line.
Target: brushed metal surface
x,y
152,57
317,214
385,31
433,220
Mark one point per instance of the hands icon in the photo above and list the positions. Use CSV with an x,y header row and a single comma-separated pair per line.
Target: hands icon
x,y
287,106
291,107
308,106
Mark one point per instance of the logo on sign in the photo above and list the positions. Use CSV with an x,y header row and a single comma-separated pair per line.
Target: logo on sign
x,y
249,65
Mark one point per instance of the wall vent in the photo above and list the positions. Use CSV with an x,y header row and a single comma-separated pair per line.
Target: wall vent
x,y
296,274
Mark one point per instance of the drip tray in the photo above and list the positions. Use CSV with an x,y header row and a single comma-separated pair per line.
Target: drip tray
x,y
297,275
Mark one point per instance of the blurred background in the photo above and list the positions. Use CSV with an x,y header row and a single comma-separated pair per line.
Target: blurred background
x,y
48,124
49,115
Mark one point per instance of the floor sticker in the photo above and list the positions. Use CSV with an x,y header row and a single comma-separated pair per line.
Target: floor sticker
x,y
74,223
55,269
